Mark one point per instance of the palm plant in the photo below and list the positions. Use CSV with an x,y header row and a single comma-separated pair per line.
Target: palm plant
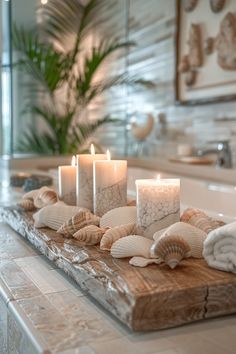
x,y
62,79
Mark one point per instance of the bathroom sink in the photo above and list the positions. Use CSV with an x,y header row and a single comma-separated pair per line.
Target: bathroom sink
x,y
218,200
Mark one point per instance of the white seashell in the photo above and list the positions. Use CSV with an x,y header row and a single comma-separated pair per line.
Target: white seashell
x,y
141,132
113,234
77,222
143,262
119,216
171,249
90,235
130,246
191,234
53,216
27,204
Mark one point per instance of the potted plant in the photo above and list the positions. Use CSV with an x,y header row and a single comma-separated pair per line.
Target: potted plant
x,y
62,78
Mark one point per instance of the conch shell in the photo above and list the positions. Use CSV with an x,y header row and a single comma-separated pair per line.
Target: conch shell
x,y
77,222
201,220
191,234
171,249
90,235
142,132
113,234
132,245
27,204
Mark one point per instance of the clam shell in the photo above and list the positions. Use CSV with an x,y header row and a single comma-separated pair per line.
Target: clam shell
x,y
53,216
171,249
32,194
191,234
45,197
90,235
143,262
119,216
76,222
201,220
132,245
27,204
113,234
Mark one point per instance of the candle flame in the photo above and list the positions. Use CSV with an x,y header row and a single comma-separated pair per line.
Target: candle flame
x,y
158,177
73,161
108,155
92,149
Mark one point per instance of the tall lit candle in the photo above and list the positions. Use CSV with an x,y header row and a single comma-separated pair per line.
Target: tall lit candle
x,y
84,183
158,204
110,185
67,183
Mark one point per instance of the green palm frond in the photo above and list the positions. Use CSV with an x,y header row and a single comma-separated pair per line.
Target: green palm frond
x,y
40,60
93,62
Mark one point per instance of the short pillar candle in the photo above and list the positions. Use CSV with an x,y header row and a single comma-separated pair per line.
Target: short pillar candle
x,y
84,183
67,183
110,185
158,204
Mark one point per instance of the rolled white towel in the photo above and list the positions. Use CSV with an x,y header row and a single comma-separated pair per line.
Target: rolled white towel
x,y
219,248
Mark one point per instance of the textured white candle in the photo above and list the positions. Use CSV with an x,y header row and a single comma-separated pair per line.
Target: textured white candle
x,y
158,204
84,183
110,185
67,183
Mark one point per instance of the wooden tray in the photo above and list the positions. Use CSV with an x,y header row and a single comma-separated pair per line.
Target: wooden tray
x,y
149,298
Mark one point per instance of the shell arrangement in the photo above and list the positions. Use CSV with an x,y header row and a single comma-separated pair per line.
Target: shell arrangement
x,y
172,249
54,216
39,198
201,220
77,222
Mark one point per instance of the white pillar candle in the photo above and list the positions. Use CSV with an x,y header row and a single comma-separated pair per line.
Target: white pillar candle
x,y
67,183
158,204
84,183
110,185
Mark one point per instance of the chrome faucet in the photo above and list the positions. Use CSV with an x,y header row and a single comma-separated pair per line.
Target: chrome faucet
x,y
223,152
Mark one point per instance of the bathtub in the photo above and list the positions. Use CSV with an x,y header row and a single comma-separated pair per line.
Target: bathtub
x,y
216,199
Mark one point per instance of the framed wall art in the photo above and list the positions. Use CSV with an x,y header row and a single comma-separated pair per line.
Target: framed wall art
x,y
205,51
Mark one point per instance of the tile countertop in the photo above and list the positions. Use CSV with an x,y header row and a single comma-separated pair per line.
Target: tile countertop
x,y
43,311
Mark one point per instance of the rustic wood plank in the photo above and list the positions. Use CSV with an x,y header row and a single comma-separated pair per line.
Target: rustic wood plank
x,y
144,299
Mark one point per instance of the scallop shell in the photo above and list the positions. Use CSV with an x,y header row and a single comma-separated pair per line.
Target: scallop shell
x,y
114,234
143,262
132,245
172,249
191,234
201,220
90,235
77,222
53,216
119,216
27,204
45,197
